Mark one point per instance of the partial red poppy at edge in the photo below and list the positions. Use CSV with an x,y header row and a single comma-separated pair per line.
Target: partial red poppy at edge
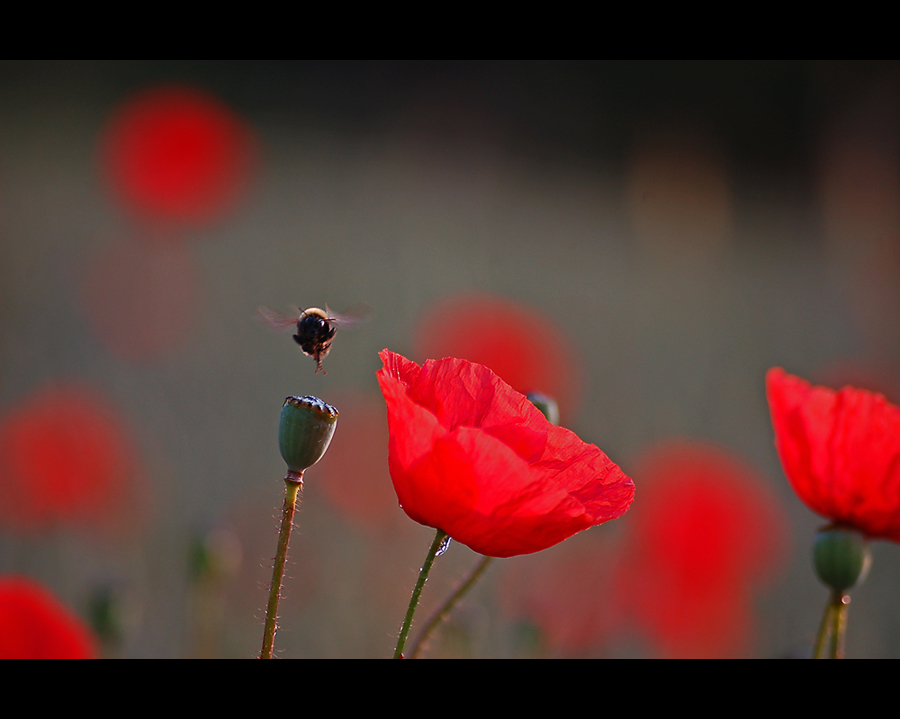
x,y
36,625
471,456
840,451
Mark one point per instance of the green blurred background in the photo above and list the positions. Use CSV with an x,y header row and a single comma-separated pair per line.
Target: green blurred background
x,y
685,226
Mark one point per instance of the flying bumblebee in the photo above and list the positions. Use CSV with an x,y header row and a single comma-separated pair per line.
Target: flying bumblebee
x,y
315,327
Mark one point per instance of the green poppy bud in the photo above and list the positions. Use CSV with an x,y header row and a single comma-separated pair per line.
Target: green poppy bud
x,y
841,557
305,431
546,404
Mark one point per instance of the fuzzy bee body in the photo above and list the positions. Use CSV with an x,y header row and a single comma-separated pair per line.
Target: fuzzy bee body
x,y
315,333
315,328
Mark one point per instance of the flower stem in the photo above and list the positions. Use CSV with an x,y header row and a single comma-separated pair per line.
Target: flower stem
x,y
833,630
440,539
441,613
293,483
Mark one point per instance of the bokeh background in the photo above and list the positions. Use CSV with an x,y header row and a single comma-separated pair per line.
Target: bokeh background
x,y
641,240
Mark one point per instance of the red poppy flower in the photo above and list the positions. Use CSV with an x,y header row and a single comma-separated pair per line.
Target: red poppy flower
x,y
523,346
36,625
840,451
471,456
177,153
64,459
707,532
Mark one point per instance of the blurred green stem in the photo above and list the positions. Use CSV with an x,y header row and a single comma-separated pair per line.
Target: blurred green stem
x,y
833,630
448,605
440,539
293,482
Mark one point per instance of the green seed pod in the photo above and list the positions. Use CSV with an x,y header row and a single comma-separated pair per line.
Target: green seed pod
x,y
841,557
546,404
305,431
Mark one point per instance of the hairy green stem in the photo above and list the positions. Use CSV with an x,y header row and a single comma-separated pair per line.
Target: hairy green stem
x,y
441,613
833,629
440,539
293,483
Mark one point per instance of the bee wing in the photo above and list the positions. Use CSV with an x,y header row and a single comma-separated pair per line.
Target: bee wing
x,y
274,320
355,315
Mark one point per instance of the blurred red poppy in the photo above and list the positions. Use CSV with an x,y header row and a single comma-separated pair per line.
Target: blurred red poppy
x,y
354,472
526,348
64,459
840,451
565,594
176,153
707,532
471,456
36,625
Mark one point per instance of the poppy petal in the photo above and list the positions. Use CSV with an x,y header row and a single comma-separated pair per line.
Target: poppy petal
x,y
472,456
840,451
